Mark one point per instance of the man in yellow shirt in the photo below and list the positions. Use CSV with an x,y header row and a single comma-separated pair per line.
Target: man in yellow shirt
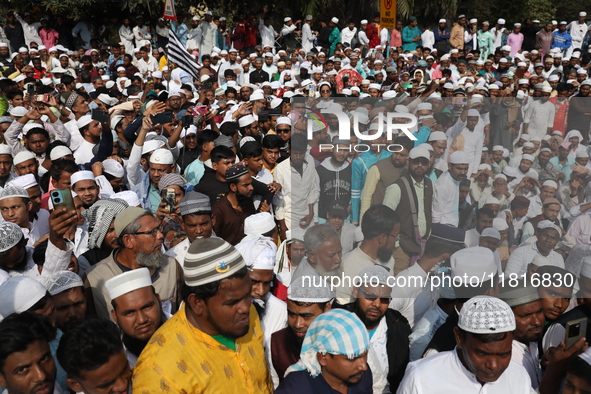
x,y
214,343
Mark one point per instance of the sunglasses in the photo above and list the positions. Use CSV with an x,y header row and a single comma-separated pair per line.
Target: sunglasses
x,y
283,131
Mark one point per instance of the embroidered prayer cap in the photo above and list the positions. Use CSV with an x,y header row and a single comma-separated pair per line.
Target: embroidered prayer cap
x,y
309,289
13,191
61,281
375,275
486,315
10,235
235,172
99,217
520,293
336,331
194,202
258,253
19,293
127,282
171,179
209,260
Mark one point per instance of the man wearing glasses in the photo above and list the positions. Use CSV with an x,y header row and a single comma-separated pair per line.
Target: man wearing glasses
x,y
139,240
388,330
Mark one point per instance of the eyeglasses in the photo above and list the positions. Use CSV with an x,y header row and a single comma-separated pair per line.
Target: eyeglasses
x,y
154,232
283,131
372,297
396,237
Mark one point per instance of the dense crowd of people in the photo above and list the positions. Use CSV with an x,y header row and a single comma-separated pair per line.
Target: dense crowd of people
x,y
318,208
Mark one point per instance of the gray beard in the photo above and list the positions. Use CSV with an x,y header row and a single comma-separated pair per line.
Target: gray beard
x,y
152,260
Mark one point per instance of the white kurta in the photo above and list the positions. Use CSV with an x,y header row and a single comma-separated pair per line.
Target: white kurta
x,y
208,31
523,255
446,200
527,356
307,38
444,373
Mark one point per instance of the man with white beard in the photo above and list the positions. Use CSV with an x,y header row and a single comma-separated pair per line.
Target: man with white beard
x,y
140,238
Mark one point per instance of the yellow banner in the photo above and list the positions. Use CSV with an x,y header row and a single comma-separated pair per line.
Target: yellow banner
x,y
388,14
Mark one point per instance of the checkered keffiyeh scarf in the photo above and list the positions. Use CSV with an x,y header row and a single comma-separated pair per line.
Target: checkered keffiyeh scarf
x,y
99,217
336,331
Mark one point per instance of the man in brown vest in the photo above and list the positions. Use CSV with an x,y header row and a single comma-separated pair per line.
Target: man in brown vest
x,y
411,197
384,173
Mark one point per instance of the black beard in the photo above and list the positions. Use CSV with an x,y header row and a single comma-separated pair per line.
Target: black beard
x,y
384,255
243,200
19,267
134,345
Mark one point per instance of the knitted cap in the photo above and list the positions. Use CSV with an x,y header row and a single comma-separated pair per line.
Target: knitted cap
x,y
486,315
209,260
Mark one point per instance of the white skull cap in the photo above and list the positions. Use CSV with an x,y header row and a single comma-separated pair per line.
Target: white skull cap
x,y
486,315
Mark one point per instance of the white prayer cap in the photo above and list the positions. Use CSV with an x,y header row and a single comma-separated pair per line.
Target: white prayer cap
x,y
484,166
374,86
363,22
526,137
442,21
563,23
437,136
276,102
500,224
19,293
582,14
501,21
30,126
459,157
391,94
25,181
257,95
491,200
83,121
259,224
547,89
454,51
13,191
486,315
113,167
286,19
548,224
23,49
500,176
424,106
162,156
473,262
283,120
82,176
301,290
130,197
523,81
258,253
127,282
335,20
542,261
110,84
59,151
448,85
246,120
151,145
497,148
23,156
517,25
527,157
536,138
10,235
550,183
5,150
506,48
473,112
581,154
61,281
418,152
473,20
491,232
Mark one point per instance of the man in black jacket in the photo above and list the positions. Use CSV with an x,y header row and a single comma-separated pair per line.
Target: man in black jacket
x,y
388,329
